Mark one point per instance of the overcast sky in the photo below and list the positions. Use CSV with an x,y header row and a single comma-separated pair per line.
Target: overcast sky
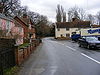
x,y
48,7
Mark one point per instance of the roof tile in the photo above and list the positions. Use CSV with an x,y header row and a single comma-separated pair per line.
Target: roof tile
x,y
74,24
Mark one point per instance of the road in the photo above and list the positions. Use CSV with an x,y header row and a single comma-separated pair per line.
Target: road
x,y
54,57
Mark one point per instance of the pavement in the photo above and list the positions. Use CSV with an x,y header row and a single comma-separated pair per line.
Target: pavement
x,y
54,57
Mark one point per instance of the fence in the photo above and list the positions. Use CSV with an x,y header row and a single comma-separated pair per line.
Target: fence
x,y
7,54
11,55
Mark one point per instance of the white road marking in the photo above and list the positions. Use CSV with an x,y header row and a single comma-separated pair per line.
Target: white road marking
x,y
90,58
98,62
71,48
67,46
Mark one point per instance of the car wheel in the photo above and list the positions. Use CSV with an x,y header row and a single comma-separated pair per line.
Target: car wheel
x,y
88,46
80,45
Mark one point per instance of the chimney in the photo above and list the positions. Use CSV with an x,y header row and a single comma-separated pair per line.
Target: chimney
x,y
73,19
25,16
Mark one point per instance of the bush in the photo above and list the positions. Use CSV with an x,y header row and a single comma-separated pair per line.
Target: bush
x,y
24,45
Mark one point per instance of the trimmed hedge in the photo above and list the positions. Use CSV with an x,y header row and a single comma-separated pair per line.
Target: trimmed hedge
x,y
24,45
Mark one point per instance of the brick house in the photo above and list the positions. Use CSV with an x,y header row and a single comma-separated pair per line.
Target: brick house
x,y
6,25
65,29
28,27
19,28
9,29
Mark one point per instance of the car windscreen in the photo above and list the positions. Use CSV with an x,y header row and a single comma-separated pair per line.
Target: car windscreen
x,y
92,39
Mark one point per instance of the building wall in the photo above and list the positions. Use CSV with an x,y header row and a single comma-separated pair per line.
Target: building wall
x,y
65,32
82,31
62,32
5,28
29,32
32,31
9,30
25,28
18,34
74,30
6,24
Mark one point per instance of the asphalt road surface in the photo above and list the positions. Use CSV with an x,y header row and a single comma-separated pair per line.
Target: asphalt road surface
x,y
54,57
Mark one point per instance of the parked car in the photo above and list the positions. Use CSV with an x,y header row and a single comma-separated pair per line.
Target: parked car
x,y
89,42
98,38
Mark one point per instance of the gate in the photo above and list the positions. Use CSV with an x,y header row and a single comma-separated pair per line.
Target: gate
x,y
7,54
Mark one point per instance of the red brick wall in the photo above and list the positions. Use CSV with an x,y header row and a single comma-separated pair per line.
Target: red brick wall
x,y
25,31
23,54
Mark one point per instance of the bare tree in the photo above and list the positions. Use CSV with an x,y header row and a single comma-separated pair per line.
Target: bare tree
x,y
40,23
61,14
69,16
58,15
13,8
76,12
9,6
91,18
98,17
64,16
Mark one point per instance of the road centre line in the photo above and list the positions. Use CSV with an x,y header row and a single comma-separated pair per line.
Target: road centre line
x,y
81,54
67,46
71,48
90,58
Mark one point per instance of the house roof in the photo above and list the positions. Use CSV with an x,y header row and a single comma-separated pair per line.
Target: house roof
x,y
95,26
16,17
74,24
17,23
63,24
81,24
4,17
27,21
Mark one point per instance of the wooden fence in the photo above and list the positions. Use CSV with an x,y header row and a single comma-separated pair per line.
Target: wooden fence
x,y
11,55
7,54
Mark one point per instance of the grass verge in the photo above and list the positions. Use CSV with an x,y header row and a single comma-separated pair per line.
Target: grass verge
x,y
12,71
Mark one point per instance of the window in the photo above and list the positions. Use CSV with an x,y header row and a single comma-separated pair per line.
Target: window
x,y
67,29
61,35
67,35
58,29
73,32
7,24
20,29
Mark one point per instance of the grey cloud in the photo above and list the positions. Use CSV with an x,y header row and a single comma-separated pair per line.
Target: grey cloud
x,y
48,7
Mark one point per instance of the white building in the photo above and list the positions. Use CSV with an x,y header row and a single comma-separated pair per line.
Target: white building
x,y
65,30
